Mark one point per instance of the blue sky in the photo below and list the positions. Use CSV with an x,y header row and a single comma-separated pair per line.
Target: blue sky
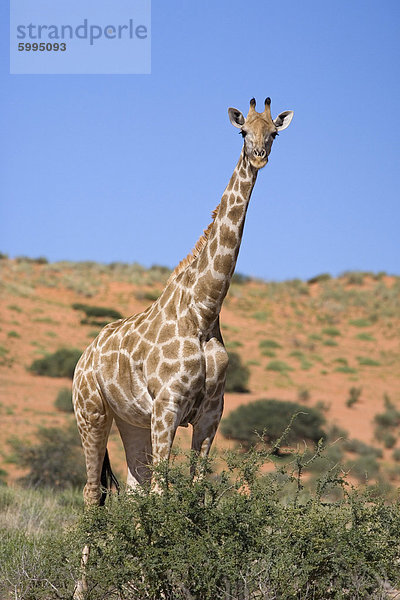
x,y
128,167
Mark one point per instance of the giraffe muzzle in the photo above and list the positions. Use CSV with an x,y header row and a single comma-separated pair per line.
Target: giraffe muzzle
x,y
261,153
259,158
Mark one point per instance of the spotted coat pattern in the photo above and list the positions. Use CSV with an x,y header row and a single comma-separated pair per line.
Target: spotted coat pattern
x,y
166,366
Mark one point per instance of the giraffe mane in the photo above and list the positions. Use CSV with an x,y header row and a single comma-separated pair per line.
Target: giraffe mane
x,y
200,244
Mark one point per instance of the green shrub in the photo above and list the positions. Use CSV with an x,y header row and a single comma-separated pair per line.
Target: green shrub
x,y
232,344
5,359
206,540
260,315
3,477
331,331
61,363
268,353
320,278
341,361
368,362
63,401
269,344
237,374
15,308
152,296
278,365
93,313
212,542
13,334
365,337
361,322
40,260
391,416
305,363
240,279
354,277
364,468
345,369
267,347
55,461
270,418
388,439
315,337
303,395
361,448
396,454
329,342
354,396
97,311
387,423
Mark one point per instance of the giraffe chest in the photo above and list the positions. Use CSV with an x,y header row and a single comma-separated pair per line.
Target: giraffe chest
x,y
176,361
176,367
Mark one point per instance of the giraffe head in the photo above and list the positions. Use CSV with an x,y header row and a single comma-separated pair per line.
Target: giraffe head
x,y
259,130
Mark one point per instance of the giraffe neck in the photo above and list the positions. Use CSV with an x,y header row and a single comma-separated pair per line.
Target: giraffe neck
x,y
213,268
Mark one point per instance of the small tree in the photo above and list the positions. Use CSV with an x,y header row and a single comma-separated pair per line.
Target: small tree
x,y
354,396
63,401
270,418
56,461
237,375
61,363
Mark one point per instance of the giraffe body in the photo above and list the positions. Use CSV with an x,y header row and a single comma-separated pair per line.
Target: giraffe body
x,y
151,372
166,366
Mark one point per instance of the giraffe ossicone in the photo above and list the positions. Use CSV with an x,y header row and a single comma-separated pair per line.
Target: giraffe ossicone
x,y
166,367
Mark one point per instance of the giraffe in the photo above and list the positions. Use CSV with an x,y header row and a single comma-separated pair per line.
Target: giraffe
x,y
166,366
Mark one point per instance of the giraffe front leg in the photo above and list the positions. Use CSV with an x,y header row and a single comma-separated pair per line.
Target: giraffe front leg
x,y
204,430
164,423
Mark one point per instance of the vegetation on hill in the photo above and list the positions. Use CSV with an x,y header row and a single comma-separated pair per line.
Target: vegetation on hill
x,y
267,420
319,341
93,313
63,402
237,374
61,363
55,461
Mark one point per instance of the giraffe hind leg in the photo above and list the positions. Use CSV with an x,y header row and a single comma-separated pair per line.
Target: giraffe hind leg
x,y
94,420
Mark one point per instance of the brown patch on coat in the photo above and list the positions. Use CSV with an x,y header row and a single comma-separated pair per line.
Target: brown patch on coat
x,y
153,360
228,237
191,367
171,350
167,332
223,264
235,213
167,370
190,348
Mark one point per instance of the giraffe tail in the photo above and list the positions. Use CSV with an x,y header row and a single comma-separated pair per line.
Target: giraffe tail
x,y
107,479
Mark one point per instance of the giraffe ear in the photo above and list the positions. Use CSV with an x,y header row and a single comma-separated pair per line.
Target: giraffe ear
x,y
236,117
283,120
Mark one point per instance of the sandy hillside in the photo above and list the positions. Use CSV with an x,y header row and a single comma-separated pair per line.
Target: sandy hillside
x,y
327,336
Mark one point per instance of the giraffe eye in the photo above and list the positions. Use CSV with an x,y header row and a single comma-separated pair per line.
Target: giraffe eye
x,y
243,133
274,134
